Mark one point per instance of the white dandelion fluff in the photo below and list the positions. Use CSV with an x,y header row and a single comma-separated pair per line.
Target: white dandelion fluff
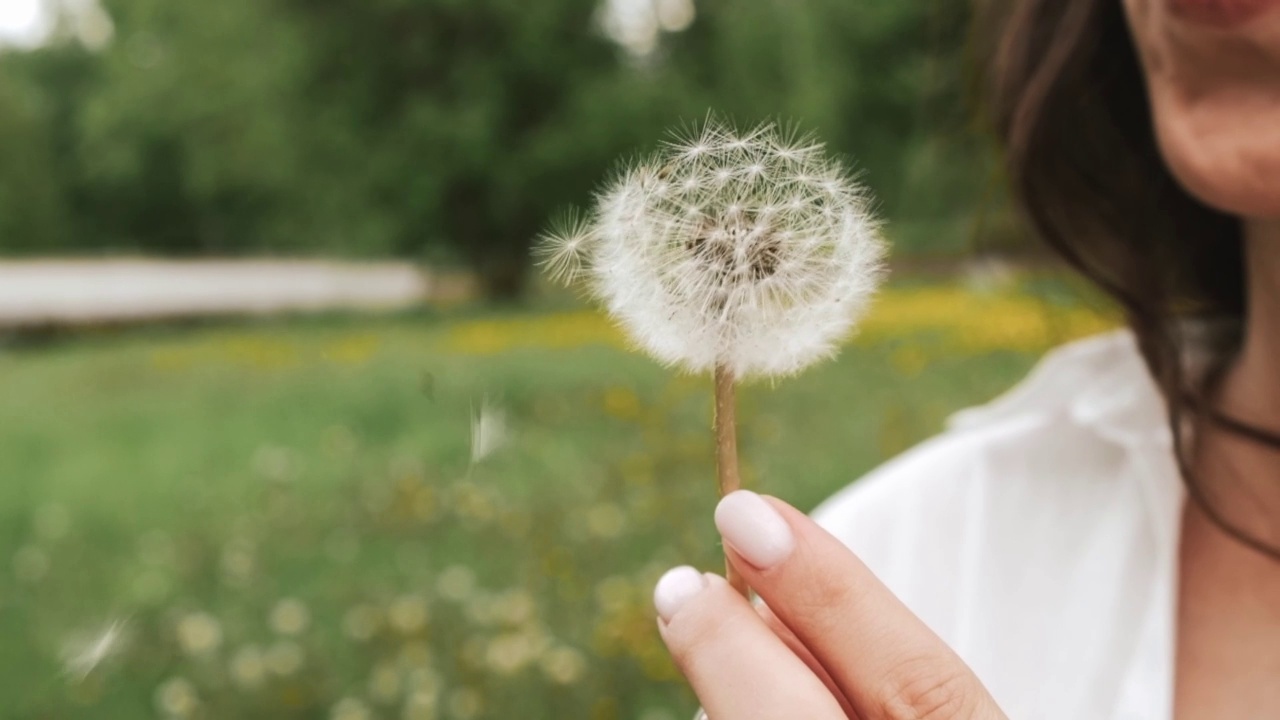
x,y
751,251
489,430
84,654
746,254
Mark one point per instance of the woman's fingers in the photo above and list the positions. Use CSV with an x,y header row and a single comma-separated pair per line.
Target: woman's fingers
x,y
793,643
885,661
738,667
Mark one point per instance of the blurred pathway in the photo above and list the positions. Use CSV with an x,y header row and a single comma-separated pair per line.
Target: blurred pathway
x,y
57,292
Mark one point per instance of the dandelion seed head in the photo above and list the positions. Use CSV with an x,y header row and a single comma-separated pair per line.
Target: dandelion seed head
x,y
750,250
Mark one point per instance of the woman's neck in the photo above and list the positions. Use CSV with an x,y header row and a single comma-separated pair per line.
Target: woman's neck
x,y
1252,392
1239,476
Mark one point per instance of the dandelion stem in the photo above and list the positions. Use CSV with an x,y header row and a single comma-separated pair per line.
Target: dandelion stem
x,y
727,455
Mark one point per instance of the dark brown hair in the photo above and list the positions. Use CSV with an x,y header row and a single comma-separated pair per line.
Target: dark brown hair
x,y
1067,98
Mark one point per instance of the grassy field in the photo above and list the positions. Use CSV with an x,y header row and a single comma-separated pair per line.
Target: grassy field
x,y
288,520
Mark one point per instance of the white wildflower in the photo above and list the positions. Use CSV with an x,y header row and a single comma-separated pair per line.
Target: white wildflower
x,y
407,614
456,583
750,251
176,698
248,667
361,622
284,657
465,703
350,708
290,616
563,665
199,633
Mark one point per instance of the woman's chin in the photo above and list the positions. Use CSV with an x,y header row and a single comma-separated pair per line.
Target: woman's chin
x,y
1225,154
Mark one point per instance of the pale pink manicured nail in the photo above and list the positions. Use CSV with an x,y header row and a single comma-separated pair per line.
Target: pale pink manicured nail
x,y
754,529
675,588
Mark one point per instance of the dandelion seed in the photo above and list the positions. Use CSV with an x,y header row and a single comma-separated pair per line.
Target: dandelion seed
x,y
561,252
81,656
488,431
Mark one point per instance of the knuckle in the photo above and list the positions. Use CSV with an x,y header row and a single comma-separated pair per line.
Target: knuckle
x,y
823,599
929,689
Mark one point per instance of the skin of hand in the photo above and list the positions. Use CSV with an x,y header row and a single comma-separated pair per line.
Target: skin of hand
x,y
828,642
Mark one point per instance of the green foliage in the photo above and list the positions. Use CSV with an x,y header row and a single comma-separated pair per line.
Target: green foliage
x,y
449,130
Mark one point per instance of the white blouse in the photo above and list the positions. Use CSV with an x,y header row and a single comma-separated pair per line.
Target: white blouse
x,y
1038,537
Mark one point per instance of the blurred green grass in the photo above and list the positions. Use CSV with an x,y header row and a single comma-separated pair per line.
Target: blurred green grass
x,y
286,517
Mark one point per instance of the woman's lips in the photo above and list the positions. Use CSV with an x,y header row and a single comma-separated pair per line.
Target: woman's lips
x,y
1223,13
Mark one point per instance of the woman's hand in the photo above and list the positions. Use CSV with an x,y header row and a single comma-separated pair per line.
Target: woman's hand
x,y
830,643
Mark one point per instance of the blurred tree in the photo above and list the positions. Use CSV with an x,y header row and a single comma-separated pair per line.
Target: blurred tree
x,y
34,204
474,117
189,135
450,129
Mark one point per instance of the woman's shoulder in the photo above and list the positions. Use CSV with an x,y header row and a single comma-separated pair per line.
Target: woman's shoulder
x,y
1021,475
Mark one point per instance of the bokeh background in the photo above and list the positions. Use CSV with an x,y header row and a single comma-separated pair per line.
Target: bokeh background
x,y
272,501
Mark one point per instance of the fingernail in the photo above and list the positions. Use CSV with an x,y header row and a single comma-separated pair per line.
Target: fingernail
x,y
755,530
675,588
